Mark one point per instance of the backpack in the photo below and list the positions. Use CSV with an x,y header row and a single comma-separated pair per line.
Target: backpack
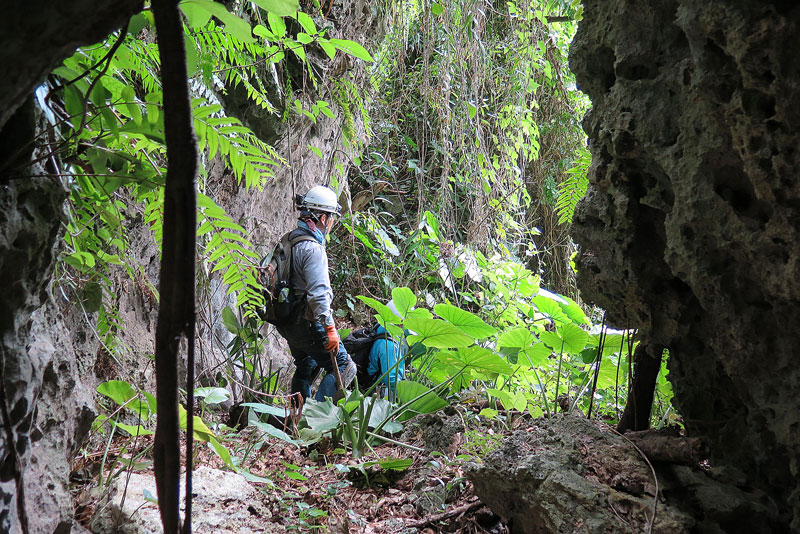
x,y
358,345
275,275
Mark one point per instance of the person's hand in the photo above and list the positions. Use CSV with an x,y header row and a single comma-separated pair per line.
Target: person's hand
x,y
332,345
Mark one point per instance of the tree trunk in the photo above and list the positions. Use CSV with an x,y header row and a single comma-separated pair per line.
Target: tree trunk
x,y
647,363
177,279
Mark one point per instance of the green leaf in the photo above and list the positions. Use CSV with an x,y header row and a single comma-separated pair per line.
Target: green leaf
x,y
550,308
304,38
281,8
135,430
307,23
395,464
278,411
322,416
352,48
277,25
537,354
328,48
437,9
199,429
221,451
274,432
233,24
572,337
521,338
118,390
467,322
212,395
404,300
408,390
477,358
385,314
92,297
437,333
196,15
230,321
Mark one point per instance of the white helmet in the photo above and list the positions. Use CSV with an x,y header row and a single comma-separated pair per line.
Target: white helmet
x,y
320,198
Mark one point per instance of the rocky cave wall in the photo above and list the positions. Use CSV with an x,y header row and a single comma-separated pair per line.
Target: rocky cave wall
x,y
51,358
689,230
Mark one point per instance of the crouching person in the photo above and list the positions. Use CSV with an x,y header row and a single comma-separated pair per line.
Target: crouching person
x,y
387,357
312,335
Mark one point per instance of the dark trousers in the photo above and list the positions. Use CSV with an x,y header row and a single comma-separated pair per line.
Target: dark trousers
x,y
306,341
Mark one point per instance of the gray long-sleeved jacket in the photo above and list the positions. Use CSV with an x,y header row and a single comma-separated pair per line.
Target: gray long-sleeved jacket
x,y
310,276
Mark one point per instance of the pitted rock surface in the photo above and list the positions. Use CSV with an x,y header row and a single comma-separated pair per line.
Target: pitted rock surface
x,y
222,503
690,229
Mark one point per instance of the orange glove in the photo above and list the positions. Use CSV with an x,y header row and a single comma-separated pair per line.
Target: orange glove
x,y
332,344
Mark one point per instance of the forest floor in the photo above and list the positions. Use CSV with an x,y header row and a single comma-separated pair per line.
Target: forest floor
x,y
305,489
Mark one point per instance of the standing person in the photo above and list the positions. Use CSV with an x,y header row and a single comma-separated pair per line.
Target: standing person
x,y
312,335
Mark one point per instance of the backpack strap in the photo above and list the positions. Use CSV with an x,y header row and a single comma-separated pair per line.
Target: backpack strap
x,y
288,241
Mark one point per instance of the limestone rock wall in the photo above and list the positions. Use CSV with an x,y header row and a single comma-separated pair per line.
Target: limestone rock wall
x,y
690,229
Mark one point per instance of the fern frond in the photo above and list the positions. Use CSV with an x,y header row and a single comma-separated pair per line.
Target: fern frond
x,y
571,190
222,242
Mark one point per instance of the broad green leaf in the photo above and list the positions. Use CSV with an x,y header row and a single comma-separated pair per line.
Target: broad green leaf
x,y
420,313
575,312
430,402
274,432
199,429
489,413
385,314
118,390
395,464
404,300
437,333
281,8
550,308
196,15
278,411
212,395
221,451
230,321
574,337
519,337
277,25
322,416
233,24
607,377
307,23
135,430
328,48
352,48
477,358
437,9
536,355
381,411
467,322
552,340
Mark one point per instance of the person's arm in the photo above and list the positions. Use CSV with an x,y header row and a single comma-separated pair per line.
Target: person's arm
x,y
311,263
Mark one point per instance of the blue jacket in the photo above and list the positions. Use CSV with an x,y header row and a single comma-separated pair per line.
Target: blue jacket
x,y
383,355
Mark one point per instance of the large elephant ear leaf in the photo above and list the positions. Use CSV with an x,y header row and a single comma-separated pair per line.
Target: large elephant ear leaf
x,y
426,400
467,322
574,337
437,333
475,358
404,300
